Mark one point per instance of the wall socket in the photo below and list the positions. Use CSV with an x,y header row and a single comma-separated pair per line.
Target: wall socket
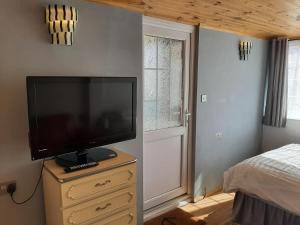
x,y
203,98
3,187
219,135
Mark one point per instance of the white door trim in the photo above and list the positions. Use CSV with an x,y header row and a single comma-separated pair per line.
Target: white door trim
x,y
181,32
167,24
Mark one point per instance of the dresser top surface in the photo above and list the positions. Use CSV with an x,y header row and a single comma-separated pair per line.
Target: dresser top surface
x,y
59,173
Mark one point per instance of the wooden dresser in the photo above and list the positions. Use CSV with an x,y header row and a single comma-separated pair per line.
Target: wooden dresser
x,y
102,195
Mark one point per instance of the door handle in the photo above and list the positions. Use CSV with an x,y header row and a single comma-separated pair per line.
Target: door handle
x,y
187,116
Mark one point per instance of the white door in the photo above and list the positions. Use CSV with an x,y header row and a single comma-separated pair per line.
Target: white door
x,y
166,88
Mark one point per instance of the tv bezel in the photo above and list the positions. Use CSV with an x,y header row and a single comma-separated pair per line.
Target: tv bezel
x,y
36,153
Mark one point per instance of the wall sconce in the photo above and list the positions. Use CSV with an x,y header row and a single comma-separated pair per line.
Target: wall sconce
x,y
62,22
245,48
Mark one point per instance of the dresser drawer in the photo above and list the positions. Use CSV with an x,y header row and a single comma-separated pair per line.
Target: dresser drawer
x,y
99,208
127,217
76,191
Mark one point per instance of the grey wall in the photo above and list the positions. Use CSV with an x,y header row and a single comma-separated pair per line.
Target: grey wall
x,y
108,42
274,137
234,90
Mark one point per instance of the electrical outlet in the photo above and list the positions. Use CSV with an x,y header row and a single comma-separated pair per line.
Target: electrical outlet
x,y
4,185
219,135
203,98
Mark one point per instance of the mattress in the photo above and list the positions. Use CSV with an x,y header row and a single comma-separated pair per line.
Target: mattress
x,y
273,176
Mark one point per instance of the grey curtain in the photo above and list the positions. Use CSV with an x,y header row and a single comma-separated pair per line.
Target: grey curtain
x,y
276,85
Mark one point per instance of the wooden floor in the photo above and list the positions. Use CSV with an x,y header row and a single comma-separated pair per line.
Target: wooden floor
x,y
214,210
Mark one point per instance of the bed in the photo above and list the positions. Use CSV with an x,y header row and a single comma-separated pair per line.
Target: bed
x,y
267,188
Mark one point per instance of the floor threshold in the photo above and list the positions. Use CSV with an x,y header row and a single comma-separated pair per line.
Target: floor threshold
x,y
167,206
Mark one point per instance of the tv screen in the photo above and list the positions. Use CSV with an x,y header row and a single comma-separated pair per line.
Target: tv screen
x,y
68,114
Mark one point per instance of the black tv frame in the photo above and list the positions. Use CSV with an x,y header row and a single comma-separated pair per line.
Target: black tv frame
x,y
78,152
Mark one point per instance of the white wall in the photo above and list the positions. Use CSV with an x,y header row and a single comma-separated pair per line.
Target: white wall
x,y
108,42
276,137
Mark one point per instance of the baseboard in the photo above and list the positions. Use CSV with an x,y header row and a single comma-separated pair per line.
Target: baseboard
x,y
166,207
198,198
218,190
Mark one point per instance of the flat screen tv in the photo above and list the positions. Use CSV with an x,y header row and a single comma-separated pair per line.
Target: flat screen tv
x,y
75,114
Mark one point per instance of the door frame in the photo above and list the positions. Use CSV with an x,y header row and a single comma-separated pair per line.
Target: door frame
x,y
171,28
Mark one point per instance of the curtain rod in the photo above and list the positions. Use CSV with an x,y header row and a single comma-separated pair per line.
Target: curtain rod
x,y
293,39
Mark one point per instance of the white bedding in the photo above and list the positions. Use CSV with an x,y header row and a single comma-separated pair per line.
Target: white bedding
x,y
273,176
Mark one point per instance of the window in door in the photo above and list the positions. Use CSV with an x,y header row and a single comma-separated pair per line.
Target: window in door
x,y
163,83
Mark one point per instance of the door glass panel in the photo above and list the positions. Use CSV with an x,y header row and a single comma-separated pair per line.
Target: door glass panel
x,y
163,86
150,56
163,49
150,85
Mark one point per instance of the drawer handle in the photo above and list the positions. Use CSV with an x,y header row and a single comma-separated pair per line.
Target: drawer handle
x,y
131,218
102,208
131,196
102,184
130,174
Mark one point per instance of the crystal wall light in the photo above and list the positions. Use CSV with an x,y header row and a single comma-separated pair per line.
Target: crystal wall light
x,y
62,21
245,49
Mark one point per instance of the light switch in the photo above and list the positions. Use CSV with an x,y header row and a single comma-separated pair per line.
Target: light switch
x,y
203,98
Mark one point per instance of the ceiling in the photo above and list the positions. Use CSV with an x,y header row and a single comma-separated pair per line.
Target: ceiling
x,y
258,18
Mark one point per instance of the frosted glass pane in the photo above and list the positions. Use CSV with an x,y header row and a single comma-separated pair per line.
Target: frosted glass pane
x,y
149,115
150,52
163,102
169,100
163,90
176,56
176,80
150,85
163,84
163,53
